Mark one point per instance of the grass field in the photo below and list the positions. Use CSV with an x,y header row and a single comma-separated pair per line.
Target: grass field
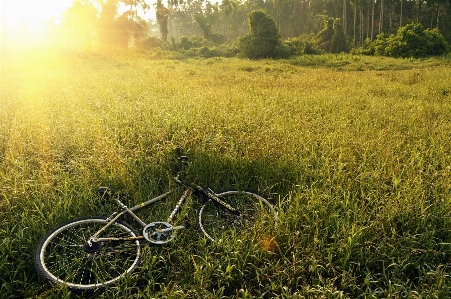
x,y
355,152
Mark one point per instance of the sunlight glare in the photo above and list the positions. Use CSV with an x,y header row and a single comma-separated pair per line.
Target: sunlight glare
x,y
29,21
33,12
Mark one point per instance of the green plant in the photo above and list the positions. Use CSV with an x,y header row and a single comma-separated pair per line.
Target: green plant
x,y
304,44
411,41
263,39
368,48
150,43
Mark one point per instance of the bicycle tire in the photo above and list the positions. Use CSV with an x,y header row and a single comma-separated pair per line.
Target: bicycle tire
x,y
218,223
60,257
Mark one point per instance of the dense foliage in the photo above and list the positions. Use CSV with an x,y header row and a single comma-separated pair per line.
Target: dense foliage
x,y
412,40
332,38
341,27
305,44
263,39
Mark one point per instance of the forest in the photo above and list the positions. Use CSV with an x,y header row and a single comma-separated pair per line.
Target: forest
x,y
361,25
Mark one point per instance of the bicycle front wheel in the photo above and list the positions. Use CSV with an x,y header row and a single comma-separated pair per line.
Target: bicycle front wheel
x,y
219,223
62,256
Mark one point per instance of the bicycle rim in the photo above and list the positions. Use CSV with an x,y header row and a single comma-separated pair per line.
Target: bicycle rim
x,y
257,215
62,259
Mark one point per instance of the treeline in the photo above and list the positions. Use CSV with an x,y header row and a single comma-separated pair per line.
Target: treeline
x,y
361,19
304,26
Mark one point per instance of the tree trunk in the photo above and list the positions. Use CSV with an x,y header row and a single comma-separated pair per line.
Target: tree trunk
x,y
400,16
372,20
355,19
368,20
361,23
344,16
419,10
390,20
438,15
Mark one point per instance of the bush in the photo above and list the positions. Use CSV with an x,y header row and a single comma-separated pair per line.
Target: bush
x,y
368,48
209,52
411,40
305,44
187,43
150,43
414,41
380,45
263,39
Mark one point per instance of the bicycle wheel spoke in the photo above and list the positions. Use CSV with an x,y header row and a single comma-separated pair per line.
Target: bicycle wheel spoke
x,y
217,222
63,255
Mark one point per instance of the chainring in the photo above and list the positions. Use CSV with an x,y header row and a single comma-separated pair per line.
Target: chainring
x,y
153,232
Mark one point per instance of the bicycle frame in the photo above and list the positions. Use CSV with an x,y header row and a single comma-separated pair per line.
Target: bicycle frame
x,y
187,189
130,211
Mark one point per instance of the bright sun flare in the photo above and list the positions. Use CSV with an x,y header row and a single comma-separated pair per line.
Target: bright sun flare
x,y
32,13
27,17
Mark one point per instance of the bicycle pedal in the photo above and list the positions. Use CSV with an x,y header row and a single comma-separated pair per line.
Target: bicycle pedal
x,y
187,221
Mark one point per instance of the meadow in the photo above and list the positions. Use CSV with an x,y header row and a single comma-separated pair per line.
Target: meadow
x,y
354,151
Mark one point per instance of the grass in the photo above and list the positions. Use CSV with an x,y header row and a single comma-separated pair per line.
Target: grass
x,y
355,151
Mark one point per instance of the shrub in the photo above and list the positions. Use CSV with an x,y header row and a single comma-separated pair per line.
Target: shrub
x,y
187,43
368,48
327,33
150,43
304,44
380,45
411,40
414,41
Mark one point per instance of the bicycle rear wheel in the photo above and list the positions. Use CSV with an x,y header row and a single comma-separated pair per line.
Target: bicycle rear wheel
x,y
62,256
218,223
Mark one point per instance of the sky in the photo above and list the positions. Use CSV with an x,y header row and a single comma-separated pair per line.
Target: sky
x,y
33,12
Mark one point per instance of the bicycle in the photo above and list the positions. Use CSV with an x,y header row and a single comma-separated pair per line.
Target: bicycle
x,y
91,253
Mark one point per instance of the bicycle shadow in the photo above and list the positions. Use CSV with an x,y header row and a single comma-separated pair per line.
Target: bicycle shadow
x,y
219,172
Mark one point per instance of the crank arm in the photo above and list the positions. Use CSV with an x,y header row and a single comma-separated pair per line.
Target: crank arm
x,y
170,229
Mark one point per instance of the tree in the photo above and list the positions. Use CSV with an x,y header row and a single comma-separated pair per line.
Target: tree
x,y
205,26
263,39
338,44
324,37
108,31
78,23
162,14
101,18
400,15
228,6
137,25
419,10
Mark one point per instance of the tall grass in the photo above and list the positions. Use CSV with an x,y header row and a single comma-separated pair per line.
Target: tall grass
x,y
355,152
